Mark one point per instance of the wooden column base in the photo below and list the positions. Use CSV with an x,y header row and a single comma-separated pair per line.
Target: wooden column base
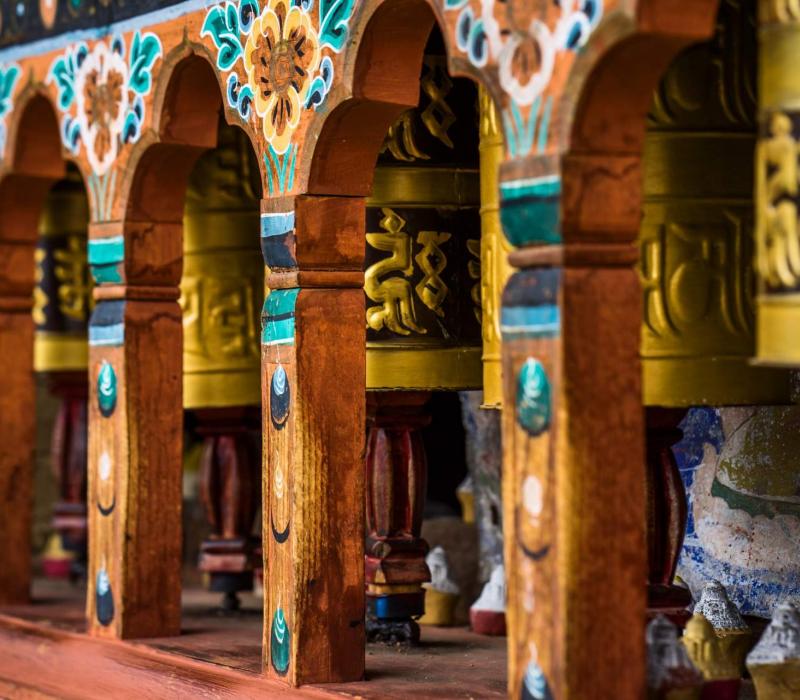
x,y
230,490
396,485
68,454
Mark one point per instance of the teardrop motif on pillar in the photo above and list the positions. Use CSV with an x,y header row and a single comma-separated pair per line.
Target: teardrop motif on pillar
x,y
533,397
106,389
104,605
279,397
280,643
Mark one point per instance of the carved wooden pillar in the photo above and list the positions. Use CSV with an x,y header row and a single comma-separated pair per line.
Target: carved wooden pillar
x,y
68,450
573,435
135,430
21,200
666,515
230,488
17,420
396,478
313,383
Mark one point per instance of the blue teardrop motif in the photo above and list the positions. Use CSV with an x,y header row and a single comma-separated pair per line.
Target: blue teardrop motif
x,y
535,685
279,397
104,599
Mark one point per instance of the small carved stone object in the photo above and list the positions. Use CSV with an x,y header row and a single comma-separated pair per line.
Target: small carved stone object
x,y
441,594
488,614
466,497
731,629
671,675
706,652
774,662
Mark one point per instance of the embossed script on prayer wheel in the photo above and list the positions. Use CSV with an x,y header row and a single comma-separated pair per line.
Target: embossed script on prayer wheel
x,y
422,271
697,234
62,298
778,190
222,287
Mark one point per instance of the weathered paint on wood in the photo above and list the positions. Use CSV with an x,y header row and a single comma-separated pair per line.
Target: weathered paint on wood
x,y
313,384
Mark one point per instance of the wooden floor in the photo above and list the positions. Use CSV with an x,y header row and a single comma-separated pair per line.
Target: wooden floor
x,y
44,654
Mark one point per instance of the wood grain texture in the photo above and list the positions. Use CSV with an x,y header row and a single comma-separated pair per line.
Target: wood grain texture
x,y
575,544
17,430
139,544
316,577
313,389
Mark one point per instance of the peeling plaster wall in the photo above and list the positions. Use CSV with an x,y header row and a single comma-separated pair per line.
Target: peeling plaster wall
x,y
741,469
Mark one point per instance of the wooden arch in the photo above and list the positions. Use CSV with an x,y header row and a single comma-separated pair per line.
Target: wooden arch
x,y
585,533
136,340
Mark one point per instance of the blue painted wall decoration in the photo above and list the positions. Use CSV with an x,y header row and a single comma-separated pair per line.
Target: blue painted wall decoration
x,y
106,389
747,539
533,397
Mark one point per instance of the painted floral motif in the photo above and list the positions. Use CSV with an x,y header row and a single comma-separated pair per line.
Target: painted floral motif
x,y
526,49
279,61
102,95
8,79
102,103
281,55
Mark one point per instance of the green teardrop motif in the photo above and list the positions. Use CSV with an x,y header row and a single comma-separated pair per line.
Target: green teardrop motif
x,y
280,643
106,389
533,397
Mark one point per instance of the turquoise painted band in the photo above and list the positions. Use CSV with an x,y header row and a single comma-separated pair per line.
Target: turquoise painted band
x,y
530,210
106,274
107,335
278,317
276,224
106,251
530,321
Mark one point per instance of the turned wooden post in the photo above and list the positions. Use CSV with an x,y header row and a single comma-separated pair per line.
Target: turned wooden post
x,y
68,452
230,489
666,515
313,384
396,478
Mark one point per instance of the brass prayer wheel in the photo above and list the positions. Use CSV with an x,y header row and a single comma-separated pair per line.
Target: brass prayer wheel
x,y
62,297
495,269
222,287
422,269
697,232
777,191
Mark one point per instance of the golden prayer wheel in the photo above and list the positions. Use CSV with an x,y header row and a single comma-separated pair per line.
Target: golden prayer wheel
x,y
495,269
777,191
62,302
696,236
62,298
422,269
222,287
